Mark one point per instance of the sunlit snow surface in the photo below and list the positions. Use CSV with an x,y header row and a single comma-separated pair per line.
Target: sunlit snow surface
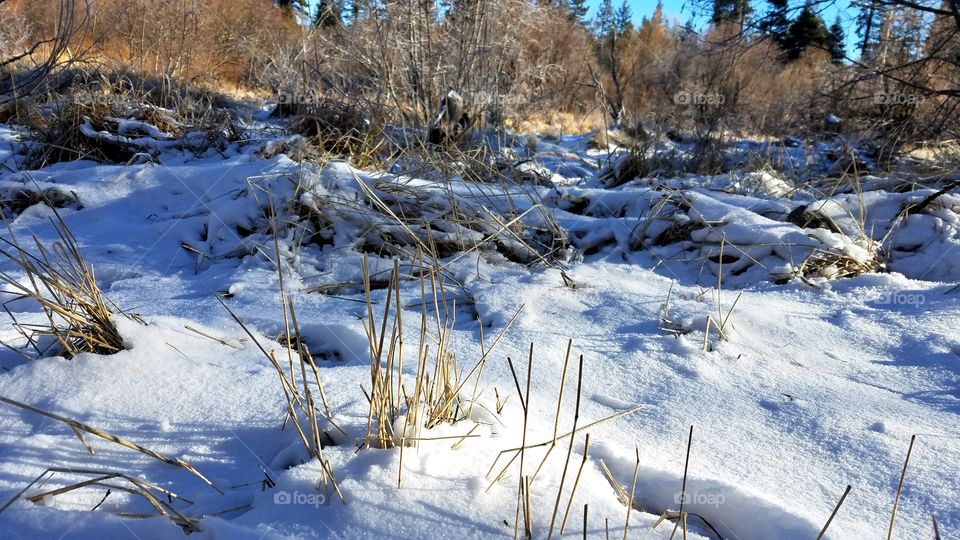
x,y
817,386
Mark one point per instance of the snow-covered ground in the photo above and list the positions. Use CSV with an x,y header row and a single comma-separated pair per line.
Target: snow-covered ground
x,y
819,383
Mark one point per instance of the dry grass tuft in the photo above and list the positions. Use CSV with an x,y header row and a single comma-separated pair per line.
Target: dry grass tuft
x,y
79,316
337,127
74,130
14,200
554,124
438,394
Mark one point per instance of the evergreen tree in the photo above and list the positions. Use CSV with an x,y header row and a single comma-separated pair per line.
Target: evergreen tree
x,y
623,19
870,16
776,23
292,7
328,14
806,31
361,8
658,13
604,20
835,41
577,10
730,11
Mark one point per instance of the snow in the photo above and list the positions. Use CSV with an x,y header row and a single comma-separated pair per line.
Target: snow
x,y
817,385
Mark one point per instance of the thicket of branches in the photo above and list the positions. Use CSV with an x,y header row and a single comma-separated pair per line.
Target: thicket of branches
x,y
766,67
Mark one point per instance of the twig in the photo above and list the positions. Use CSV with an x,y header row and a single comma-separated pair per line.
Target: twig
x,y
683,486
834,513
896,499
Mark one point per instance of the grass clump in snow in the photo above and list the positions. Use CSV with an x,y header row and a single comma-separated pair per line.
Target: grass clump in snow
x,y
77,129
339,128
395,216
78,314
15,199
399,413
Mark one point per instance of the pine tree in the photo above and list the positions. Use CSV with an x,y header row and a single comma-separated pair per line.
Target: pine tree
x,y
623,19
360,9
611,27
777,21
292,7
835,41
604,20
730,11
577,10
657,17
806,31
870,16
328,14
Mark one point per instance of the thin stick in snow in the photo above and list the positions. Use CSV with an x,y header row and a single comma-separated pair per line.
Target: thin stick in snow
x,y
633,489
585,509
576,482
896,499
576,417
834,513
683,485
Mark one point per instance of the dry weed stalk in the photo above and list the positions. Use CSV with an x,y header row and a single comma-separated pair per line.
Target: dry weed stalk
x,y
720,323
524,493
516,451
833,514
300,399
576,419
298,395
576,481
896,499
681,516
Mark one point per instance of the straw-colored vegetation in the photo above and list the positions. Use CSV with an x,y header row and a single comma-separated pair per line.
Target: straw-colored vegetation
x,y
79,317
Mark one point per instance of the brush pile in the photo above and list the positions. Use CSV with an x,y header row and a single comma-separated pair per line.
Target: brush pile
x,y
334,128
390,216
748,239
110,120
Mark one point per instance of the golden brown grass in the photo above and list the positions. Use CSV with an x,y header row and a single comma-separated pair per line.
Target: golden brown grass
x,y
79,315
298,394
553,124
439,386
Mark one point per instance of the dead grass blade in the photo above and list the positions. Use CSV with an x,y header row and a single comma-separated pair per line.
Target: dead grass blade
x,y
77,426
